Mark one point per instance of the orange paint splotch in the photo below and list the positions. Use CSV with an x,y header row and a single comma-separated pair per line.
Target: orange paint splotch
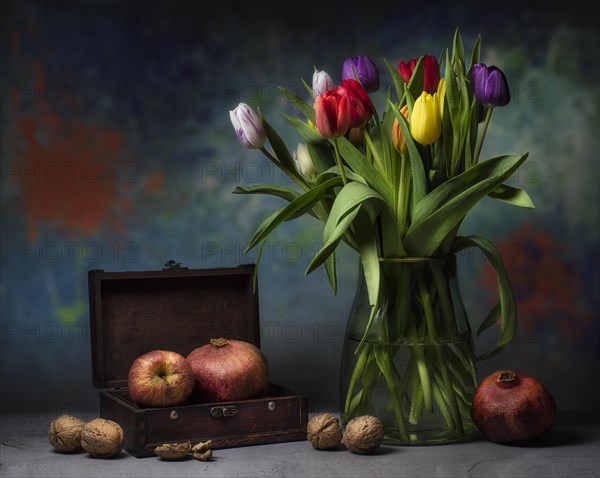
x,y
154,183
548,290
67,167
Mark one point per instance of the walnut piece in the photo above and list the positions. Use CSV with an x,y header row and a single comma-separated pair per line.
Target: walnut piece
x,y
173,451
324,431
102,438
363,434
202,451
64,434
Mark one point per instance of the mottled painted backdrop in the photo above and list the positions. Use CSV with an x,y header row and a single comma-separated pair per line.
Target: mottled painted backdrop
x,y
118,154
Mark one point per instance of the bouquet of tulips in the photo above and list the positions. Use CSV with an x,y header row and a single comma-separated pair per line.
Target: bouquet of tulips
x,y
395,185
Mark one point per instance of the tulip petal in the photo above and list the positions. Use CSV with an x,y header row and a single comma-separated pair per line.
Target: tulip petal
x,y
496,89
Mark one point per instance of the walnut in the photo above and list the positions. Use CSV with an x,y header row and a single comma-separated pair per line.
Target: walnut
x,y
202,451
102,438
363,434
173,451
324,431
64,434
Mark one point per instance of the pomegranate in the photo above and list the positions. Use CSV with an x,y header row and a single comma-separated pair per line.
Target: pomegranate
x,y
227,370
512,407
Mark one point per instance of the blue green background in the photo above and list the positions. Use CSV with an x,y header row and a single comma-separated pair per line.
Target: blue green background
x,y
118,154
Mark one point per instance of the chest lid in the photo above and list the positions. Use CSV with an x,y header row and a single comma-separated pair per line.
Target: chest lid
x,y
177,309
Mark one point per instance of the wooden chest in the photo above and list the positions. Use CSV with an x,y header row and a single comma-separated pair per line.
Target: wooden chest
x,y
180,309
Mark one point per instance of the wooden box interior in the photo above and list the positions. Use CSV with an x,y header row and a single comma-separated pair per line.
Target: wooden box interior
x,y
132,313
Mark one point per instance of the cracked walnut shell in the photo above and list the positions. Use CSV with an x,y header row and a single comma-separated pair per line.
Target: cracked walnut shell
x,y
324,431
102,438
64,434
202,451
173,451
363,434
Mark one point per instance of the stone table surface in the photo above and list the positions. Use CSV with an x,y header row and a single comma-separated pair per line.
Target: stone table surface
x,y
570,449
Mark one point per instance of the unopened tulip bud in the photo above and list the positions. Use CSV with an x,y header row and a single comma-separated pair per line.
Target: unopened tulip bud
x,y
425,120
398,139
304,162
332,112
489,85
248,126
361,67
321,82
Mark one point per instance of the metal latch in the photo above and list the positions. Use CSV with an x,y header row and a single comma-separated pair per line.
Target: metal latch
x,y
224,411
170,265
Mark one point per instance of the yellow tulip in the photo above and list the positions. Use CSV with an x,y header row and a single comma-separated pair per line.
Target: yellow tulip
x,y
425,121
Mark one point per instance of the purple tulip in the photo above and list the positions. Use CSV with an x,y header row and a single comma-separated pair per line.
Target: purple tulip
x,y
489,85
362,67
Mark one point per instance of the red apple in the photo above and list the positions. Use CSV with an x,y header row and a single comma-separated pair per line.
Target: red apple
x,y
160,378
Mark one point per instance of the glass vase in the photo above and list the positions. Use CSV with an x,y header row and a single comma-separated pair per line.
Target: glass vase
x,y
409,359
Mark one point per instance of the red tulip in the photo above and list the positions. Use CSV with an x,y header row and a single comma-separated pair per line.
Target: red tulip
x,y
431,70
361,106
332,111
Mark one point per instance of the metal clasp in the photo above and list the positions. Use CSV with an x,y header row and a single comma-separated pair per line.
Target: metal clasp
x,y
225,411
170,265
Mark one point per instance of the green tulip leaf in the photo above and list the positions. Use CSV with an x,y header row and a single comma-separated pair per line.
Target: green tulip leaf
x,y
307,86
286,162
458,50
303,106
321,155
417,80
346,206
331,272
397,78
416,163
335,236
335,171
309,134
359,165
511,195
368,249
297,207
284,192
437,214
452,99
506,311
475,54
